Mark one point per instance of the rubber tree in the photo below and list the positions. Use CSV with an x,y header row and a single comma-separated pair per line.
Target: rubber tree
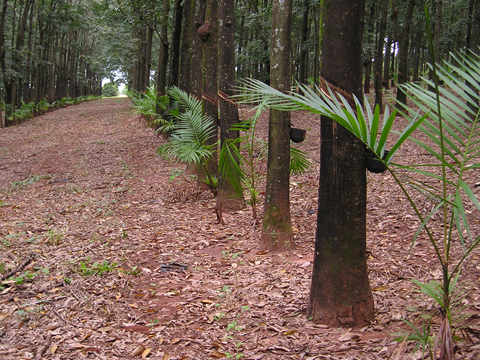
x,y
378,64
404,42
277,226
227,197
340,291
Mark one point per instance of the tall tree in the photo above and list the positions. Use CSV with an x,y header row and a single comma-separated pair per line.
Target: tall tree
x,y
277,226
340,292
378,77
227,197
302,66
163,51
208,33
177,33
404,42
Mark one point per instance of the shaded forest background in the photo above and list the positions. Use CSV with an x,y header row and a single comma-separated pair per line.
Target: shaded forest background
x,y
50,49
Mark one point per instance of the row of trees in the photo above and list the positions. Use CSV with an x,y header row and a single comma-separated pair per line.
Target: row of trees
x,y
394,44
50,49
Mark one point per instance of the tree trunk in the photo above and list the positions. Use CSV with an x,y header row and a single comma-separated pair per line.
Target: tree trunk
x,y
186,43
302,64
370,39
340,293
177,32
378,77
277,226
3,62
163,53
210,85
403,54
438,30
227,198
386,67
196,50
148,54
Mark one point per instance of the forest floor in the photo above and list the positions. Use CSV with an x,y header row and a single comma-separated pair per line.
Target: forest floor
x,y
118,256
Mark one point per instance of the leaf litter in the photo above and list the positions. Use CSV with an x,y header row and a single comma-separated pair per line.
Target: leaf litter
x,y
117,255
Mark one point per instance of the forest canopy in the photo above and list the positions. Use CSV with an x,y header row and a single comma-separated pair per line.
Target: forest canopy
x,y
52,49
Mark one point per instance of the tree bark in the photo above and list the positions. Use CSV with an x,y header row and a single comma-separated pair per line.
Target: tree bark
x,y
186,43
403,54
227,198
196,50
277,226
302,70
210,85
177,32
340,292
378,77
163,53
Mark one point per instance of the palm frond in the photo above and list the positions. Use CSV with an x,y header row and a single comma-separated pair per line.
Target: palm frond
x,y
363,124
299,161
188,141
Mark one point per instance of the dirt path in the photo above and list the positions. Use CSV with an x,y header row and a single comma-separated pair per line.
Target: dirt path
x,y
121,262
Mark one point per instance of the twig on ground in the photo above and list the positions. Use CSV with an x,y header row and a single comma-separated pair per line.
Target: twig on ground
x,y
19,268
41,349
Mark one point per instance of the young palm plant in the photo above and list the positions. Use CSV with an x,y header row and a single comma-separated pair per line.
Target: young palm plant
x,y
188,141
241,158
449,123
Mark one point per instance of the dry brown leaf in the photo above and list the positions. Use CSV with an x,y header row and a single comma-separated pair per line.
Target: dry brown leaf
x,y
166,356
175,341
145,353
138,350
137,328
217,354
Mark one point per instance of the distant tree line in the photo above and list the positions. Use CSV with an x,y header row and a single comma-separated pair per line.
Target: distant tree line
x,y
50,49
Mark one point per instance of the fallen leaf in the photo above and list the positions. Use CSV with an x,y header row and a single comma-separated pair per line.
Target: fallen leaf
x,y
217,354
175,341
145,353
53,348
380,288
137,328
138,350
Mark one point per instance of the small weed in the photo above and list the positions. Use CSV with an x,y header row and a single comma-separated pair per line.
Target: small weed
x,y
32,239
234,328
76,190
3,203
135,271
46,271
30,180
96,268
27,276
101,142
5,242
2,267
233,256
175,173
54,237
154,322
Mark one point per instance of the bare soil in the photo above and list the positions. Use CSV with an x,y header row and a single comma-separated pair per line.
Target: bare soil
x,y
118,255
